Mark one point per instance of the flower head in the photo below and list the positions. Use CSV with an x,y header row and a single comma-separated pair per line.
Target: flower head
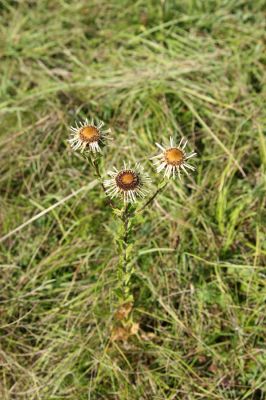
x,y
173,159
128,183
88,136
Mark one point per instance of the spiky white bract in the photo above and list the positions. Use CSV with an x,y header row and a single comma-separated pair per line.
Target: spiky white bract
x,y
172,159
88,136
128,183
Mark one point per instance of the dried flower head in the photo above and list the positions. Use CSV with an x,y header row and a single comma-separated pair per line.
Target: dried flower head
x,y
88,136
173,159
128,183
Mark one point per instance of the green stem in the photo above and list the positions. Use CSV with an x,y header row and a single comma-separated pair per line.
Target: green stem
x,y
126,268
126,272
150,200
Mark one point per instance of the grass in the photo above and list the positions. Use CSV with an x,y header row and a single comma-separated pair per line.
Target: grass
x,y
147,68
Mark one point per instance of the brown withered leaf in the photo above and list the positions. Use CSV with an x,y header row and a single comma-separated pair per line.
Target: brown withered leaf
x,y
123,311
148,336
134,328
120,333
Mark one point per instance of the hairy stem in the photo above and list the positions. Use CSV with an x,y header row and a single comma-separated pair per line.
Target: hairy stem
x,y
126,272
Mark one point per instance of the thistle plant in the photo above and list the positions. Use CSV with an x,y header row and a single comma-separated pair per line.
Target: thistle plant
x,y
128,190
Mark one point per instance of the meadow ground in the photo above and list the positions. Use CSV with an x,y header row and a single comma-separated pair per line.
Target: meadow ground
x,y
147,68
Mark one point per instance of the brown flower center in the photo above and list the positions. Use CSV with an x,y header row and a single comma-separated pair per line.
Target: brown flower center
x,y
89,134
127,180
174,156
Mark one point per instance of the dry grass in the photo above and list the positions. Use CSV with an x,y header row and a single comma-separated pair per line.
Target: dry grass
x,y
147,68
